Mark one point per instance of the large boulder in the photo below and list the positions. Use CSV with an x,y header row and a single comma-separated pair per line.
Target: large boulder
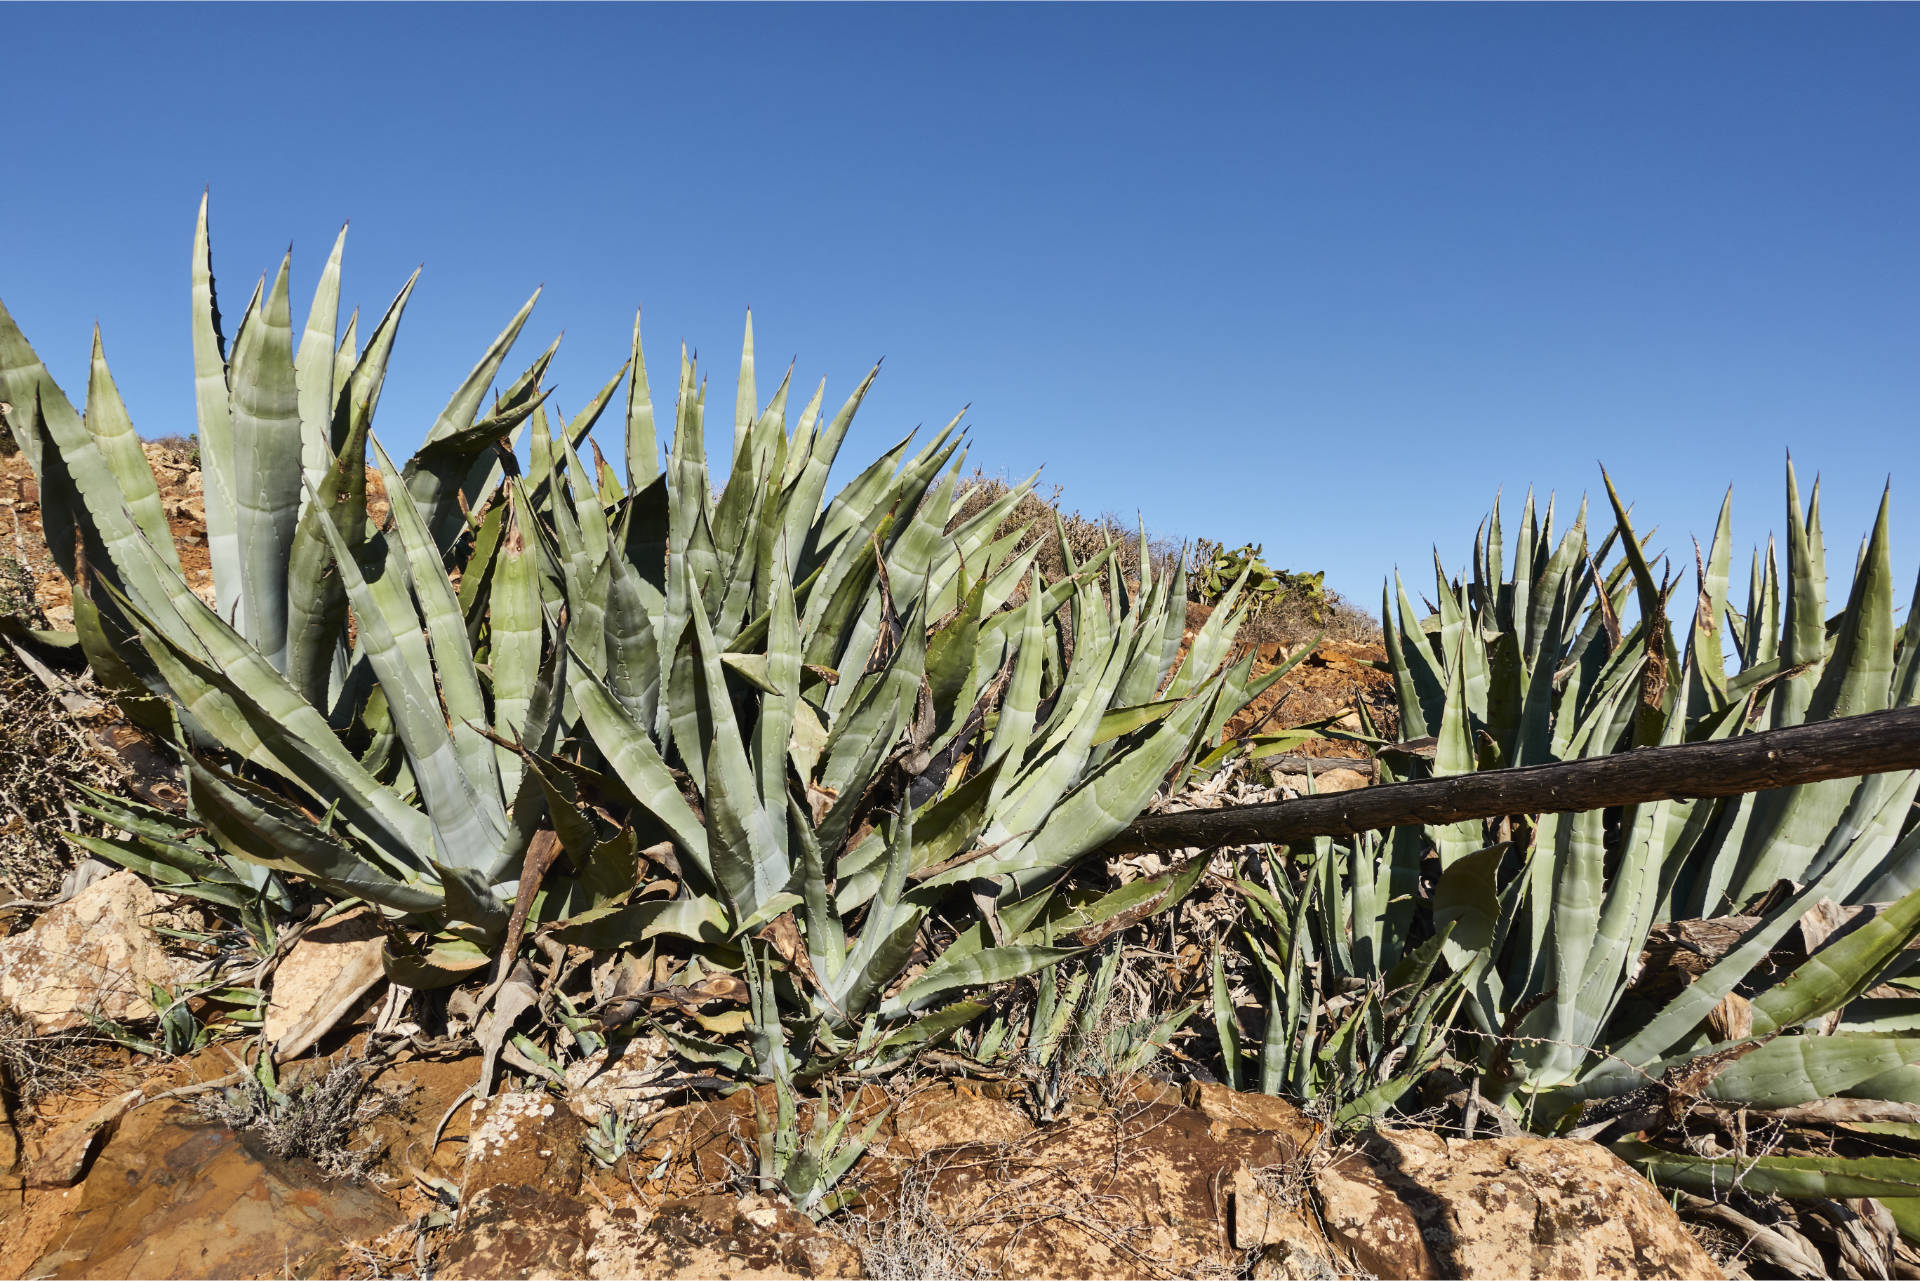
x,y
725,1237
92,955
1411,1203
948,1115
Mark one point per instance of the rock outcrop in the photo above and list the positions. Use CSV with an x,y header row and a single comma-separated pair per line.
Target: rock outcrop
x,y
1411,1203
173,1196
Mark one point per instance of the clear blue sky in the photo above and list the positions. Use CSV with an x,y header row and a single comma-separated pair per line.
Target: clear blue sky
x,y
1317,277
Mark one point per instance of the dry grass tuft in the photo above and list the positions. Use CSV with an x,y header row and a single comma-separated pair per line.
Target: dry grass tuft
x,y
323,1121
41,752
912,1240
35,1067
1292,621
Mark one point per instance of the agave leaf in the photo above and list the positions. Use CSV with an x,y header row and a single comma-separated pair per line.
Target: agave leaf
x,y
698,918
643,449
826,942
1791,824
1789,1070
316,597
632,651
1226,1024
1130,904
266,467
1454,753
1461,643
24,380
638,764
1636,889
589,517
979,969
1709,656
160,862
313,372
805,491
1020,706
1467,899
748,847
217,465
773,731
453,665
1062,756
470,828
253,824
1415,677
744,399
346,355
910,559
432,482
1238,692
1098,807
516,630
841,589
1787,1176
1842,970
943,830
1686,1010
449,959
929,1029
82,501
887,935
883,480
950,659
476,576
112,431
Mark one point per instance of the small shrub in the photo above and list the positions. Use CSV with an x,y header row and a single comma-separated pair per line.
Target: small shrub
x,y
42,750
322,1121
188,445
33,1066
911,1240
17,598
1286,605
1290,621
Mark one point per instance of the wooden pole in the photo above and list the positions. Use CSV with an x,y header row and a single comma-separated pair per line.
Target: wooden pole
x,y
1874,743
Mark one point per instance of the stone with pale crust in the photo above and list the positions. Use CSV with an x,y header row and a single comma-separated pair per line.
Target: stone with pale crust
x,y
1412,1203
333,965
90,955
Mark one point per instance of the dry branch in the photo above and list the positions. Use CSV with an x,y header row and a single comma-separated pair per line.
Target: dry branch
x,y
1851,746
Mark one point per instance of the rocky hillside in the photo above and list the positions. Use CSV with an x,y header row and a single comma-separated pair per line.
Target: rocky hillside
x,y
350,1143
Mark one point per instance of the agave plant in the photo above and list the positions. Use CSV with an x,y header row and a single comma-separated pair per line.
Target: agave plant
x,y
1353,1015
1550,663
848,723
356,756
866,730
